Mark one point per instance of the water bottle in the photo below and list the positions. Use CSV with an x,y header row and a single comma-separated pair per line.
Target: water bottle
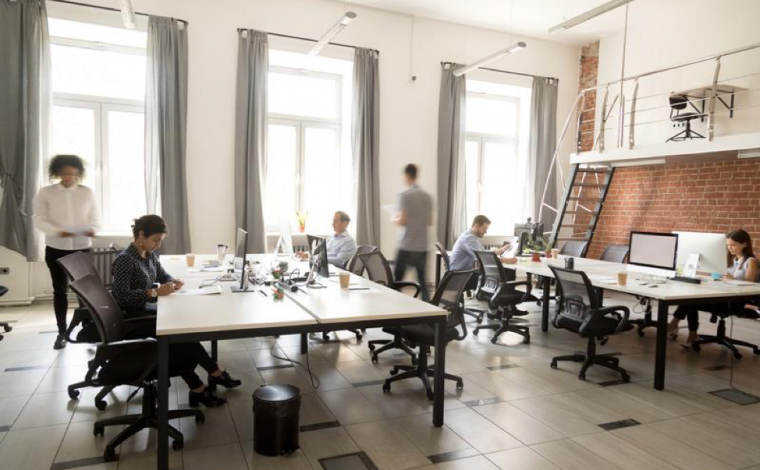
x,y
569,263
246,274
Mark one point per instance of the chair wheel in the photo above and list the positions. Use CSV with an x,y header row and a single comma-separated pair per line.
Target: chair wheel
x,y
200,419
414,360
737,356
8,328
110,455
430,394
99,431
371,347
475,331
374,358
526,340
359,337
756,351
73,393
101,404
495,340
626,378
581,376
553,364
696,347
460,384
177,444
394,371
325,336
386,387
640,333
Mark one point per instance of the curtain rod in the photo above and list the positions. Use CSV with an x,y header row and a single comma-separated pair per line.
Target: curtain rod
x,y
507,71
106,8
306,39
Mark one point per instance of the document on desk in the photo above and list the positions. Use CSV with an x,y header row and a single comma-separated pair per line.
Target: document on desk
x,y
604,280
209,290
735,282
217,269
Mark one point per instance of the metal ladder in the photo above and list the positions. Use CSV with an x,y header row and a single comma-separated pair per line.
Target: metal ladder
x,y
582,204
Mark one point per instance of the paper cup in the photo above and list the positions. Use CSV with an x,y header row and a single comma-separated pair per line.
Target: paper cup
x,y
344,279
622,278
190,259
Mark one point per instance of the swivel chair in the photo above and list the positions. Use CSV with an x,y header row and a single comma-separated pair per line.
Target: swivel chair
x,y
576,249
678,103
472,284
719,315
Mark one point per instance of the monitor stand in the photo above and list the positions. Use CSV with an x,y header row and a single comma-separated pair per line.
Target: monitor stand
x,y
238,289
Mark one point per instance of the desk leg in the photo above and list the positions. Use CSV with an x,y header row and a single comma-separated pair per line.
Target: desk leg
x,y
304,343
215,358
662,345
162,462
437,268
440,370
545,304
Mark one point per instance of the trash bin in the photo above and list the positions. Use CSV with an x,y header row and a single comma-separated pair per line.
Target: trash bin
x,y
275,419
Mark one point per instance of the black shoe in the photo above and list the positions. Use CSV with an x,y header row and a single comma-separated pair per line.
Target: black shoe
x,y
60,342
225,380
206,398
516,312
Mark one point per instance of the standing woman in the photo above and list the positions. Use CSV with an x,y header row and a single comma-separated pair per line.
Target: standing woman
x,y
68,215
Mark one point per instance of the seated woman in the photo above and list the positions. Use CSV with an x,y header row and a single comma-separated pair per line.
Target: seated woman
x,y
745,268
135,271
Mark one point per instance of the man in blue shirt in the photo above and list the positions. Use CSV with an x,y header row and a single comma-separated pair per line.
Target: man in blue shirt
x,y
463,256
340,246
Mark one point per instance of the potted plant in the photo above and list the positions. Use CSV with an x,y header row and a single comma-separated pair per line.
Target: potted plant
x,y
302,215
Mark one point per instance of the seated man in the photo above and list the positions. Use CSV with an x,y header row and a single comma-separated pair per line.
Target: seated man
x,y
340,246
463,257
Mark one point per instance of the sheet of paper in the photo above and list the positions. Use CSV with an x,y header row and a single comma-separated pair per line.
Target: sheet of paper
x,y
210,269
80,230
391,210
210,290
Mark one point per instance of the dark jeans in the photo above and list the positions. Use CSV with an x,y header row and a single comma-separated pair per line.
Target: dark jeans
x,y
60,284
691,312
413,259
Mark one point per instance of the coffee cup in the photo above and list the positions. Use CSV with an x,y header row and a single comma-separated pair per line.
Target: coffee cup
x,y
190,259
344,280
622,278
555,252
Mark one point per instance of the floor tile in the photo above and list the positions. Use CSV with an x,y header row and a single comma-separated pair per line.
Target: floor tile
x,y
569,455
326,443
479,432
430,440
20,383
349,406
523,458
471,463
624,454
295,461
46,409
217,429
522,426
228,457
10,408
31,449
570,415
386,445
79,442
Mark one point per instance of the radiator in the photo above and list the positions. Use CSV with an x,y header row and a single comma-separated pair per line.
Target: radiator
x,y
103,258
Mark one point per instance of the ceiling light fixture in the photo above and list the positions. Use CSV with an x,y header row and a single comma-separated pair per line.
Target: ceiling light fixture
x,y
517,47
344,20
127,14
583,17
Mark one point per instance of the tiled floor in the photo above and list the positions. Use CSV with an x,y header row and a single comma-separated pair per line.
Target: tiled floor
x,y
514,412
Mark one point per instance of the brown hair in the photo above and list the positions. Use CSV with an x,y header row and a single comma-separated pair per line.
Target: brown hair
x,y
480,220
149,225
741,236
343,216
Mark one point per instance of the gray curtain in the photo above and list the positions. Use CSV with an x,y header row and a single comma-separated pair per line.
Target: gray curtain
x,y
25,102
543,143
365,137
451,140
166,128
251,136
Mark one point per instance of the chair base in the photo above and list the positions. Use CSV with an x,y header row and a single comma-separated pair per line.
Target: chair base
x,y
147,419
476,313
723,340
505,327
421,371
100,402
6,327
326,335
395,343
686,134
646,322
590,358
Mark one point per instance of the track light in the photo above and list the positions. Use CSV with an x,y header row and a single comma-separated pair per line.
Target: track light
x,y
517,47
127,14
344,20
593,13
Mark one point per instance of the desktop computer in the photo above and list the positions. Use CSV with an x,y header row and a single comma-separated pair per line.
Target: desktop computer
x,y
711,248
318,265
238,264
653,253
527,234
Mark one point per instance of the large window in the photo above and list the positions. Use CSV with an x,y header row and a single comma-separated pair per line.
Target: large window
x,y
495,154
98,79
308,165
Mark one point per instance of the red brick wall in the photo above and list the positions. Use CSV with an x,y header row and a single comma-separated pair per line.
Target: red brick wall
x,y
696,197
588,70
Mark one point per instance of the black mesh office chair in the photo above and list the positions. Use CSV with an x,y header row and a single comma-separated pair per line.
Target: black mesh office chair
x,y
581,311
719,314
126,362
615,253
472,284
5,325
379,271
499,287
619,254
448,295
355,265
677,104
576,249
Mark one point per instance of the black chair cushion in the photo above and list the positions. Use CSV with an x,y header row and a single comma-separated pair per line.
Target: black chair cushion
x,y
424,334
127,368
686,116
604,326
512,298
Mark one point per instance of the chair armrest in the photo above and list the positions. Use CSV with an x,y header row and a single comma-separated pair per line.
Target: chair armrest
x,y
510,287
402,284
108,351
616,310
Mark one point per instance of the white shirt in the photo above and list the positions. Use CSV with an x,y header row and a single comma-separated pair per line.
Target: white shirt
x,y
58,209
340,248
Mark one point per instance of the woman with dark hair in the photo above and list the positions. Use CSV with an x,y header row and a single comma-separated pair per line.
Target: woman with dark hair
x,y
138,281
745,268
68,215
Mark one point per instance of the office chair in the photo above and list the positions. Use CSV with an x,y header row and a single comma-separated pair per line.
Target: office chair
x,y
498,287
574,249
126,362
615,253
719,315
76,266
678,103
379,271
5,325
473,283
448,295
618,254
581,311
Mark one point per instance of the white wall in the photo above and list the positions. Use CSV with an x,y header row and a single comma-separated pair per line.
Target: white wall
x,y
409,111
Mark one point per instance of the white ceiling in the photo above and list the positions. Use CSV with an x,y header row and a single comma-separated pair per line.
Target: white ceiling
x,y
522,17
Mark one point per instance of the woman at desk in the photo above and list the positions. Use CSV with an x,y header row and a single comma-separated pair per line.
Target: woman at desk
x,y
136,271
745,268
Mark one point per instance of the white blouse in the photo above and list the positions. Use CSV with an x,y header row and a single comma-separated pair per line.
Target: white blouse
x,y
59,209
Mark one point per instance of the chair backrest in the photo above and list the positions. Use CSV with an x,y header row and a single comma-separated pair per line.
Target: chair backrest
x,y
574,249
354,264
615,253
574,288
678,103
492,272
103,308
78,265
444,254
449,296
378,268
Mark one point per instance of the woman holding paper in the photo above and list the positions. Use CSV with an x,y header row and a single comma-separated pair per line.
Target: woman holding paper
x,y
67,213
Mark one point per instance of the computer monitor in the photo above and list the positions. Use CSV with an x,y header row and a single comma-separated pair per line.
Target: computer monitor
x,y
318,262
711,248
526,233
241,247
653,253
285,242
312,244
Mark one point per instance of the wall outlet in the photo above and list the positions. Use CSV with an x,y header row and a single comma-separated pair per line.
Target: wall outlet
x,y
5,271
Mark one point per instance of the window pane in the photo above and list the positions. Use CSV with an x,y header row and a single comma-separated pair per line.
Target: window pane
x,y
472,164
301,95
501,200
491,116
282,184
97,33
98,73
74,133
320,188
125,196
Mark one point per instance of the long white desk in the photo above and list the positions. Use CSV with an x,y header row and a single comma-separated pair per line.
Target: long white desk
x,y
239,315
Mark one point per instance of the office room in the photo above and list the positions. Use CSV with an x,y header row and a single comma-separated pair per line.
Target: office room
x,y
430,234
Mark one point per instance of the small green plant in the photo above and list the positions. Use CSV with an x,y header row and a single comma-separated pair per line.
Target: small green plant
x,y
302,215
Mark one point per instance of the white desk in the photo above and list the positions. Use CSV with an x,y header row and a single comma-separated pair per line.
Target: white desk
x,y
238,315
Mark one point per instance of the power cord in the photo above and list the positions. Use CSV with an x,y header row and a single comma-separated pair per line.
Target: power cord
x,y
307,368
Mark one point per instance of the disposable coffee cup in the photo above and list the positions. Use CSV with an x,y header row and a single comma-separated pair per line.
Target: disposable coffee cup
x,y
344,278
555,252
622,278
190,259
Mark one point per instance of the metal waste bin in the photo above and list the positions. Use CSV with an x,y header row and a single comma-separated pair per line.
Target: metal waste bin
x,y
275,419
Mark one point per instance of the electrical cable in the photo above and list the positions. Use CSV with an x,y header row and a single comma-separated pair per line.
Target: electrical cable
x,y
307,368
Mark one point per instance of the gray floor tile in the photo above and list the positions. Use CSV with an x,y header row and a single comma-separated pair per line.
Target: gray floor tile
x,y
46,409
31,449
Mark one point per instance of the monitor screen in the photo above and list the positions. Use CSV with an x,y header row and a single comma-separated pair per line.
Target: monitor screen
x,y
654,250
711,248
241,246
319,260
